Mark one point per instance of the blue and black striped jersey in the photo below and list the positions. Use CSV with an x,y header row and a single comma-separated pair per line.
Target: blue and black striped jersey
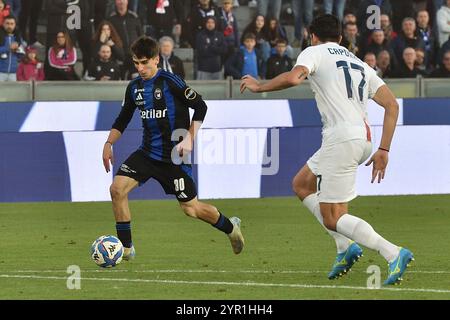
x,y
163,102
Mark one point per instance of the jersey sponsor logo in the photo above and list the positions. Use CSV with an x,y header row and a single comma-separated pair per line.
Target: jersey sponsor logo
x,y
153,114
158,94
190,94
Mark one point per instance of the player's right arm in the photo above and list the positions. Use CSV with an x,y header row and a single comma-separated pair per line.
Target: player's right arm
x,y
119,126
283,81
385,98
307,63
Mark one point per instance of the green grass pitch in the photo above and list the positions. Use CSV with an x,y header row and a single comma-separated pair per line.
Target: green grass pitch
x,y
287,253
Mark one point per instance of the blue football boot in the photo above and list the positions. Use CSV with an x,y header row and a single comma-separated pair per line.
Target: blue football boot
x,y
345,260
398,266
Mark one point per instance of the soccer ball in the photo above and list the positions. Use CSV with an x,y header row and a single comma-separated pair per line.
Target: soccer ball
x,y
107,251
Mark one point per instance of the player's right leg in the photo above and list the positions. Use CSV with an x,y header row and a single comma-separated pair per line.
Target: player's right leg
x,y
304,185
121,186
338,166
210,214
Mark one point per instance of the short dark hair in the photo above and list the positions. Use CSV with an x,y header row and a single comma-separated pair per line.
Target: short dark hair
x,y
281,41
145,47
326,27
249,35
10,17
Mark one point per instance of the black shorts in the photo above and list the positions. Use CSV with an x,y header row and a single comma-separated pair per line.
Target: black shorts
x,y
175,179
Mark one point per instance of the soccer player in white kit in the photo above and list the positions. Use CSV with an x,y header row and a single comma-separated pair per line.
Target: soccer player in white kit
x,y
342,84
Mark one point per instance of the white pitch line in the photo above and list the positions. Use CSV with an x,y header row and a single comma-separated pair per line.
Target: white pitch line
x,y
210,271
244,284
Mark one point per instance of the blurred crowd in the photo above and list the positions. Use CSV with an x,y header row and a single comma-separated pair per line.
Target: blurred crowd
x,y
411,39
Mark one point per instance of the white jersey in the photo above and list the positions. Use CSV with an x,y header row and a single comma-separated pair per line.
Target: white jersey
x,y
342,84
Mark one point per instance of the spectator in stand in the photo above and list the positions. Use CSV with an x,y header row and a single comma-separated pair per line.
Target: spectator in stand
x,y
444,70
128,26
384,64
443,22
275,31
420,62
29,15
248,60
272,6
335,7
103,68
107,34
228,25
210,51
408,38
351,39
11,49
164,16
16,7
62,57
5,11
280,61
30,68
195,21
386,26
407,68
167,59
378,43
258,27
371,60
427,35
303,16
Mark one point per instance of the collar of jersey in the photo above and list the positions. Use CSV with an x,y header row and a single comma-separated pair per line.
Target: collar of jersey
x,y
152,79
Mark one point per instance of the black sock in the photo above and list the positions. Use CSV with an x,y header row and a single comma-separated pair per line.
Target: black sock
x,y
223,224
124,233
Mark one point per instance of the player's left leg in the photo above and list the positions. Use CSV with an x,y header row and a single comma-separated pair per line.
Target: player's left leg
x,y
177,180
211,215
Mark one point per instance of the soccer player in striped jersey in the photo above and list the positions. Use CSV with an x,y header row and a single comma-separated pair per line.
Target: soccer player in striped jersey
x,y
163,101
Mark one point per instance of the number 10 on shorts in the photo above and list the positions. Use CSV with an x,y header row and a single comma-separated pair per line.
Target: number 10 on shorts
x,y
179,184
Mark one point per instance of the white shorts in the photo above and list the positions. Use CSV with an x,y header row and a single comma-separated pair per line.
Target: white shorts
x,y
335,167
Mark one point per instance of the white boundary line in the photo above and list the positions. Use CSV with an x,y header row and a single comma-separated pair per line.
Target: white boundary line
x,y
208,271
244,284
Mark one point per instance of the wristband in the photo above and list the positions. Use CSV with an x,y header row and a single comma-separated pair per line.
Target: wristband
x,y
383,149
109,143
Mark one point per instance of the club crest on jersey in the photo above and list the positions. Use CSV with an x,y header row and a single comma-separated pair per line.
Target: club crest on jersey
x,y
158,94
190,94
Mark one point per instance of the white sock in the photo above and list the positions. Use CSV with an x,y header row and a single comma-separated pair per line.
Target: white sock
x,y
363,233
312,203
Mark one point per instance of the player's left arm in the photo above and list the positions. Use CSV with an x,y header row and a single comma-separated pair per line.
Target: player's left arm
x,y
193,100
385,98
285,80
187,144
